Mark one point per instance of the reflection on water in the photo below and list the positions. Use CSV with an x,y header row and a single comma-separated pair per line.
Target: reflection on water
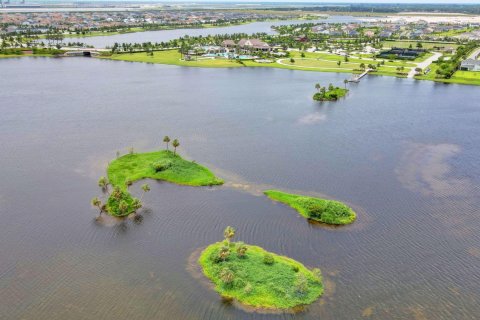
x,y
393,149
425,169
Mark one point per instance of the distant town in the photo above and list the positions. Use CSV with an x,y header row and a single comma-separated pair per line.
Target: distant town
x,y
430,46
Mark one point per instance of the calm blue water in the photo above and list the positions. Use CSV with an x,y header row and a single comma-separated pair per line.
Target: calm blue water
x,y
403,153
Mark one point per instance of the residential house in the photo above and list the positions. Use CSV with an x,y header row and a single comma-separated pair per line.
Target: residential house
x,y
470,65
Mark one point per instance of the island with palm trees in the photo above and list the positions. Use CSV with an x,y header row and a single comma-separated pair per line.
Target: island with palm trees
x,y
257,278
163,165
316,209
331,93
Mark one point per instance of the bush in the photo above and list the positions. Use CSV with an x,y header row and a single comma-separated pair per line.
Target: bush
x,y
162,165
224,253
227,276
248,288
301,284
317,274
241,249
268,259
295,268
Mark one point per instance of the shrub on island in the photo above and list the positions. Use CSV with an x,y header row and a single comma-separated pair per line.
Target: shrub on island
x,y
322,210
258,278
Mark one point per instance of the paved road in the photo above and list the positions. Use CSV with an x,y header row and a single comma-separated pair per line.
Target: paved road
x,y
424,64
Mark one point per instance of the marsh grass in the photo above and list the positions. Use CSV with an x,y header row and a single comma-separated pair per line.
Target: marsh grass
x,y
282,284
326,211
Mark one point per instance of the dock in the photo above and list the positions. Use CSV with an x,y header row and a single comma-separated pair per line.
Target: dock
x,y
356,78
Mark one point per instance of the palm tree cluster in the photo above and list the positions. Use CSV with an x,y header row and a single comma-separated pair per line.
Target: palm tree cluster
x,y
119,196
175,143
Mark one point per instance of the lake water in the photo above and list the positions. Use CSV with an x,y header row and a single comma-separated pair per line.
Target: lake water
x,y
403,153
166,35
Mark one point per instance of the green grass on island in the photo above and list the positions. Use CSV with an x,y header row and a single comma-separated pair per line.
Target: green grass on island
x,y
257,278
159,165
330,95
322,210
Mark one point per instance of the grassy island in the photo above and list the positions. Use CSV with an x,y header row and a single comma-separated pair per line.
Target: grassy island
x,y
322,210
258,278
160,165
330,94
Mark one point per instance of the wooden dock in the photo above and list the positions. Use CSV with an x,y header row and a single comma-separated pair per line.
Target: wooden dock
x,y
356,78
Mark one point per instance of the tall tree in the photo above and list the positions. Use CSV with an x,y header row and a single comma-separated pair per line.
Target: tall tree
x,y
97,203
175,144
229,233
103,183
166,139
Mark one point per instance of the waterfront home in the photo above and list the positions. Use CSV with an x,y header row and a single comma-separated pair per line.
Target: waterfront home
x,y
253,45
470,65
247,45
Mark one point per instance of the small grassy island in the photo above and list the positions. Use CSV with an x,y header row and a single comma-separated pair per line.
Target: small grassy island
x,y
258,278
322,210
159,165
329,94
163,165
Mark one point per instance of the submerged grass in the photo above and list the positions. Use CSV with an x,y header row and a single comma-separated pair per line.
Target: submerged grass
x,y
175,169
326,211
276,282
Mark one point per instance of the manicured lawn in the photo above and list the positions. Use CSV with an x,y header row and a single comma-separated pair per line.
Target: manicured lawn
x,y
333,57
459,77
173,57
326,211
425,45
282,284
137,166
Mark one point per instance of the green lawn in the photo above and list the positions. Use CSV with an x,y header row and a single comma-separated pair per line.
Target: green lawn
x,y
459,77
322,210
310,63
352,60
452,33
175,169
425,45
282,284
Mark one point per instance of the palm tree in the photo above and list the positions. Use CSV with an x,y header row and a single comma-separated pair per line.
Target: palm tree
x,y
123,207
103,183
229,233
345,83
97,203
166,139
175,144
117,193
317,86
136,204
145,188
